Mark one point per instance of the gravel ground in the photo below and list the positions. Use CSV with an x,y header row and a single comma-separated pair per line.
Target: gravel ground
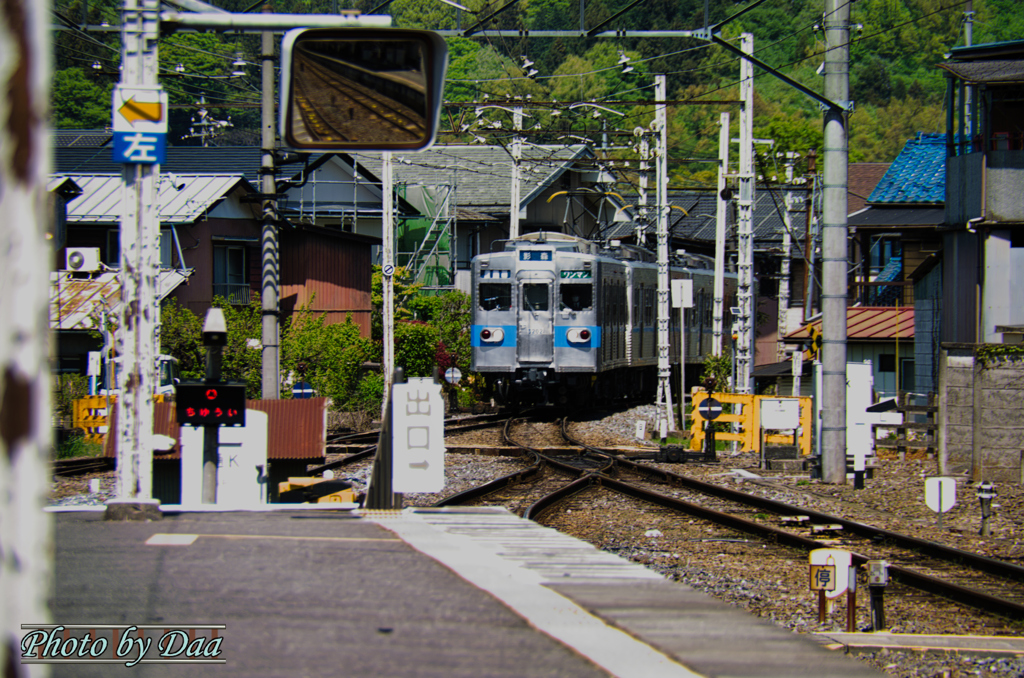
x,y
766,580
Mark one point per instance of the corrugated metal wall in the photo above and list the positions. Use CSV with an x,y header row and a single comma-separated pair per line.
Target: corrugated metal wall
x,y
335,273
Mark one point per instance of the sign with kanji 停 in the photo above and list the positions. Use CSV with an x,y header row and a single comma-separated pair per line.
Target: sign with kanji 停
x,y
140,125
203,404
823,577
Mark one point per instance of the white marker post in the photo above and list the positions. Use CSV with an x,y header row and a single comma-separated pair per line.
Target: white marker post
x,y
940,494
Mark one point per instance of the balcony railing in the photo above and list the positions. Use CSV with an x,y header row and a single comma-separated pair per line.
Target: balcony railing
x,y
235,294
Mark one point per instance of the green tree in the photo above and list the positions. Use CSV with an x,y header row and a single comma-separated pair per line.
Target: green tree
x,y
181,336
79,102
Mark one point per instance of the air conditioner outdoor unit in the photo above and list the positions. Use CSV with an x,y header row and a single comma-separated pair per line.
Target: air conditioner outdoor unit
x,y
83,259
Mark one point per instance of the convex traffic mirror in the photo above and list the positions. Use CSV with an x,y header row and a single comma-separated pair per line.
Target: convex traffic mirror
x,y
361,88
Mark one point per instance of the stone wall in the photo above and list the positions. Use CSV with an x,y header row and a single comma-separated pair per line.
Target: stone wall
x,y
981,414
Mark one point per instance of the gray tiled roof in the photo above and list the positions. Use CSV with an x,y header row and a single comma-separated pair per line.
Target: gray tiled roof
x,y
481,174
698,224
180,160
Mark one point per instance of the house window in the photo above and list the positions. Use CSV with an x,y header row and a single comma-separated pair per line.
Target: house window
x,y
113,258
230,278
884,249
887,362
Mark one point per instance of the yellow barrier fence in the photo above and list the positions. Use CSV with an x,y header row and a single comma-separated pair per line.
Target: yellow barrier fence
x,y
749,420
90,415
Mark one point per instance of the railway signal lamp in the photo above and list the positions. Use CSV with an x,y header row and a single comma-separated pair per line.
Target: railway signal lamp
x,y
986,493
878,578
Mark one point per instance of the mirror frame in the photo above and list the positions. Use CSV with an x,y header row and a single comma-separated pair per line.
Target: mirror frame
x,y
435,58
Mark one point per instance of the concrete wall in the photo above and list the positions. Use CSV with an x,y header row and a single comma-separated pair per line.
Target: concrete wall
x,y
981,421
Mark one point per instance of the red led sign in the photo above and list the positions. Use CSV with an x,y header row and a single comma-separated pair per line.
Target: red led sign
x,y
202,404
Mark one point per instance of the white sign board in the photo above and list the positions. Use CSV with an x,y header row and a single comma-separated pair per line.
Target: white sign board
x,y
242,471
417,439
682,293
940,493
841,561
140,124
780,413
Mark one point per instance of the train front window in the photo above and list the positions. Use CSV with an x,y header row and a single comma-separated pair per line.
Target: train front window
x,y
495,296
576,297
535,297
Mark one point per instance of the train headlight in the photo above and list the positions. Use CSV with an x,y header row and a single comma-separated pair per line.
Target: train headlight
x,y
492,335
578,335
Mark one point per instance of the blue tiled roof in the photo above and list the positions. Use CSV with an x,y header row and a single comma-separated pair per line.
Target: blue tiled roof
x,y
917,176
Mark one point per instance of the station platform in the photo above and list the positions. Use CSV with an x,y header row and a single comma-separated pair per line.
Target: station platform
x,y
422,592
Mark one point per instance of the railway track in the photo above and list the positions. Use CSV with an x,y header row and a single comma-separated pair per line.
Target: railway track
x,y
333,107
66,468
983,583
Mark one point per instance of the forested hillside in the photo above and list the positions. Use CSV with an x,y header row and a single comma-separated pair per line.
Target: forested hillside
x,y
895,85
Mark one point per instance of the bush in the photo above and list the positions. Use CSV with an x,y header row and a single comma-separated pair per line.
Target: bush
x,y
66,389
416,348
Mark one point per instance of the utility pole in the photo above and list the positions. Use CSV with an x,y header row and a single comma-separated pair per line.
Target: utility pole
x,y
744,348
834,243
388,272
642,216
517,157
661,181
26,426
721,223
269,264
787,247
140,153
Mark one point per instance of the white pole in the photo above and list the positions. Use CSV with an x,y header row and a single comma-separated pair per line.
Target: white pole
x,y
388,268
721,220
517,156
745,224
661,178
140,228
26,532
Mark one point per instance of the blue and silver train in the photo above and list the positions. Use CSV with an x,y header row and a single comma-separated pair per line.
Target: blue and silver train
x,y
559,319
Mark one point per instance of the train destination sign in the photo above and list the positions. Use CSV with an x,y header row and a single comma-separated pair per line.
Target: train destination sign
x,y
576,275
534,255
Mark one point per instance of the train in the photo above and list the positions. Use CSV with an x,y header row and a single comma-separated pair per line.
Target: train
x,y
561,320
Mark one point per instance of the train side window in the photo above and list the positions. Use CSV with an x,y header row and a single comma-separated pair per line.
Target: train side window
x,y
495,296
535,297
575,297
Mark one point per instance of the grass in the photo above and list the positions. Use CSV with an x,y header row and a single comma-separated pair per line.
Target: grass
x,y
77,446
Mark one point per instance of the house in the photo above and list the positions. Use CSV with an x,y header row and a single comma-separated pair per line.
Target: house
x,y
883,335
983,239
210,244
896,244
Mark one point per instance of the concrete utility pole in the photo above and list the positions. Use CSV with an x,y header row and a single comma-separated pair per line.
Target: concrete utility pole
x,y
140,228
517,157
269,264
744,348
834,243
721,224
787,247
26,426
661,181
388,279
642,217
